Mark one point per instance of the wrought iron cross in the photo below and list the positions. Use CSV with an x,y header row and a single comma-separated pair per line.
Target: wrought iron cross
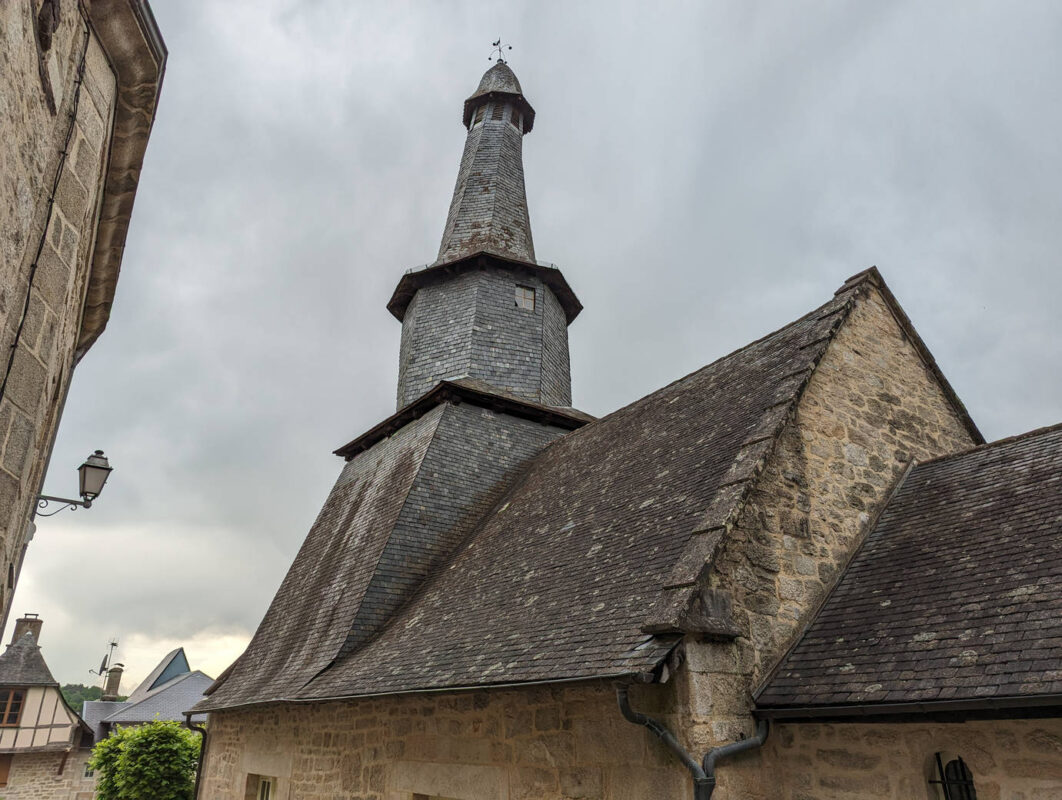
x,y
498,53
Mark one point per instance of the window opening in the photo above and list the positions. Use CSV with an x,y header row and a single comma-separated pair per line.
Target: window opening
x,y
954,779
266,789
479,115
496,112
89,771
525,298
514,118
10,707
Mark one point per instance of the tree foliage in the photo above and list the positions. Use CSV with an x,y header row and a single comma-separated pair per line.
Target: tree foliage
x,y
156,761
77,693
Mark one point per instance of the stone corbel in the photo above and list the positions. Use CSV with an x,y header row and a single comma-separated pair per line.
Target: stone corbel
x,y
692,609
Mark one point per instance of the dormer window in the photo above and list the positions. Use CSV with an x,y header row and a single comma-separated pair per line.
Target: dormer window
x,y
525,298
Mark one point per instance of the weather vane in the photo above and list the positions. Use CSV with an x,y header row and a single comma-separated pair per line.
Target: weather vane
x,y
498,53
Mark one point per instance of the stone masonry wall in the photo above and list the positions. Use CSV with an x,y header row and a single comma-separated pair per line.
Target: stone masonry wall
x,y
470,325
35,776
33,139
869,408
537,743
1009,759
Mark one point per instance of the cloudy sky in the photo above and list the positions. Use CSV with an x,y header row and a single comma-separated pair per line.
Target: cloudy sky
x,y
703,173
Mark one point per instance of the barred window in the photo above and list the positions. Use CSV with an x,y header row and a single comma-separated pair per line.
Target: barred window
x,y
954,779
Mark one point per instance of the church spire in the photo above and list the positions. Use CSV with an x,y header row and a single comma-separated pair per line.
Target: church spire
x,y
488,213
485,311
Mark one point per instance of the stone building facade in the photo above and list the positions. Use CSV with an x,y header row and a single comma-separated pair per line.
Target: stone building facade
x,y
79,82
44,744
642,606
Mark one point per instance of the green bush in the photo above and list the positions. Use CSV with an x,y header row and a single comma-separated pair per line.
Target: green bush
x,y
156,761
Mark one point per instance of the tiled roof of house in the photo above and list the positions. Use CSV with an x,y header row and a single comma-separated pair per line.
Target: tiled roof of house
x,y
954,598
23,665
591,547
94,712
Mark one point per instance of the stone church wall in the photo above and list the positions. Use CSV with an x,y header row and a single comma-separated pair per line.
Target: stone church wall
x,y
1008,759
33,140
541,742
869,408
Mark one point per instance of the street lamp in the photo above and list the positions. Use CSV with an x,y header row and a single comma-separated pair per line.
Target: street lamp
x,y
91,476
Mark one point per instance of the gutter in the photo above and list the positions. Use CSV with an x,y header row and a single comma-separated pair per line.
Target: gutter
x,y
703,774
972,707
202,751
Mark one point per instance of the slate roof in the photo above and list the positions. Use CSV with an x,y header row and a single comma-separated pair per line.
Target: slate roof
x,y
179,662
955,598
168,701
94,712
23,665
560,580
488,212
499,80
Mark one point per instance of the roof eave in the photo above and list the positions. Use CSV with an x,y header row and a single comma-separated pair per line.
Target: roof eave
x,y
450,392
133,44
416,279
1014,706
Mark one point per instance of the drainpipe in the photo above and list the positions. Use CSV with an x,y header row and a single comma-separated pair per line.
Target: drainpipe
x,y
717,754
702,789
703,774
202,750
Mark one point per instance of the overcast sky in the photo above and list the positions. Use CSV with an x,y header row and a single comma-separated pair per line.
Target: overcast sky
x,y
702,172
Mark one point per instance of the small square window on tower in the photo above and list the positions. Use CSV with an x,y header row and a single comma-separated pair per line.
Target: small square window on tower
x,y
525,297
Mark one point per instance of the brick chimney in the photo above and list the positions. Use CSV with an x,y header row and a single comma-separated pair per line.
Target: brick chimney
x,y
28,623
114,679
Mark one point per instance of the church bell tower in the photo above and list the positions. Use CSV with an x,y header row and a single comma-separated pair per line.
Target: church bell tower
x,y
485,311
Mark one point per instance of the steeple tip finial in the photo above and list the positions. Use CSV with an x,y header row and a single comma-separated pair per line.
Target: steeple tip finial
x,y
498,53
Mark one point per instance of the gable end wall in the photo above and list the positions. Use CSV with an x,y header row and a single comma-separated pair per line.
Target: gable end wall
x,y
871,406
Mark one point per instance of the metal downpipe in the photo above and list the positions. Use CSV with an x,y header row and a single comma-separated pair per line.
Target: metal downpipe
x,y
717,754
703,774
202,751
702,790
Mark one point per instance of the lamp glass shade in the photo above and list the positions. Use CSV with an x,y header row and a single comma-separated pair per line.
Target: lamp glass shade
x,y
93,474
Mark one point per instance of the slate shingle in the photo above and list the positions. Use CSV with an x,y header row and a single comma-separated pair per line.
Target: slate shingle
x,y
955,595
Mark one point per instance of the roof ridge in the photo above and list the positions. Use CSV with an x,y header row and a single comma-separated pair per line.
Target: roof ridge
x,y
996,443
